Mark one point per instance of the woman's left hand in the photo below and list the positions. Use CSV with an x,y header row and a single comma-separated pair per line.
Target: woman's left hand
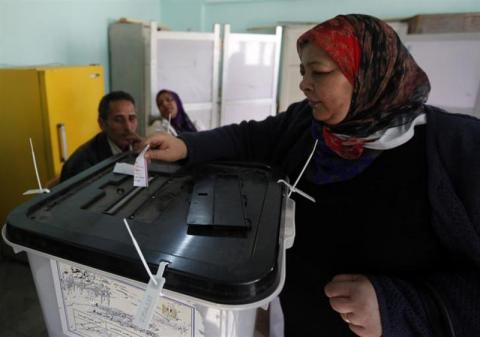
x,y
354,298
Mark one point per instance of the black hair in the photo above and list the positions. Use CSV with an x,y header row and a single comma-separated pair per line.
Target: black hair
x,y
103,107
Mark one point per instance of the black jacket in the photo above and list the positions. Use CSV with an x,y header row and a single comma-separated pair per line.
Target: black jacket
x,y
453,155
92,152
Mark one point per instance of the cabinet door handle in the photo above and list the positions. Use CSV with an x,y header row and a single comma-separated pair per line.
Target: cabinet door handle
x,y
62,137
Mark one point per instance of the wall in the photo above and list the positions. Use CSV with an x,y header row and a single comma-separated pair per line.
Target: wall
x,y
36,32
184,15
244,14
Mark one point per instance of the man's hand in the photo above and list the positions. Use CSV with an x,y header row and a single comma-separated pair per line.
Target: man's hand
x,y
165,147
135,140
354,298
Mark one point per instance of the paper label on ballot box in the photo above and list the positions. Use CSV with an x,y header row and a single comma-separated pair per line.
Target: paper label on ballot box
x,y
95,305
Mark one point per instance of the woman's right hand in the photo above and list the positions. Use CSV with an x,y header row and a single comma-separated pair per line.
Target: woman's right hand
x,y
166,147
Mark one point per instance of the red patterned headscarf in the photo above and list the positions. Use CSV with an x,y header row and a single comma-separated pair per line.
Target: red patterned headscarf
x,y
389,88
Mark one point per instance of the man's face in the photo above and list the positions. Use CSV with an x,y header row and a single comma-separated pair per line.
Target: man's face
x,y
121,123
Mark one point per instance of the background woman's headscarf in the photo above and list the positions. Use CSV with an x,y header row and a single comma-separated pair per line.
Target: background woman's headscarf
x,y
181,122
389,90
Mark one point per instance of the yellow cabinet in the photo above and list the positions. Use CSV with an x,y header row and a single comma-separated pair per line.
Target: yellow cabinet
x,y
57,108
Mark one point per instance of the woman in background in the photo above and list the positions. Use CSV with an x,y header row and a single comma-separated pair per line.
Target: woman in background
x,y
173,118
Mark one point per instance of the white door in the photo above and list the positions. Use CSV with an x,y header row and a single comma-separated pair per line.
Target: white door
x,y
187,63
249,76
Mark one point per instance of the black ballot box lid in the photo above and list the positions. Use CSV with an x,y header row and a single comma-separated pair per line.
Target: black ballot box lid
x,y
218,225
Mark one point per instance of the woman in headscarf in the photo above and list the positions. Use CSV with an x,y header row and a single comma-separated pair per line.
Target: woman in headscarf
x,y
173,118
392,246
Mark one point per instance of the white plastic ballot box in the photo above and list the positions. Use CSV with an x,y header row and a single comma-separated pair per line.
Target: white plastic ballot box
x,y
221,229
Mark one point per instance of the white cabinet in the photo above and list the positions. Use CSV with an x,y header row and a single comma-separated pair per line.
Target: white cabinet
x,y
452,63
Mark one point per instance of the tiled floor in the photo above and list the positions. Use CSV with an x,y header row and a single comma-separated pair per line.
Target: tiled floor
x,y
20,312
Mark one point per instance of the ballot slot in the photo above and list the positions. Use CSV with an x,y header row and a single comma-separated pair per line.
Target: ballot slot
x,y
117,195
41,210
114,185
113,209
147,204
131,196
159,206
107,193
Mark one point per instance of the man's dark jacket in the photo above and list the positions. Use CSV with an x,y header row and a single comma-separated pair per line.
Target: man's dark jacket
x,y
92,152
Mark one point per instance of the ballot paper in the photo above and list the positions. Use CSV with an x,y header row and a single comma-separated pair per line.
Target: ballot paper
x,y
123,168
140,169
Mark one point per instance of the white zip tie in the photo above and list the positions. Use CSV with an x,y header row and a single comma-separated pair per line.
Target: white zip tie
x,y
304,167
169,123
294,187
296,190
35,165
40,188
137,247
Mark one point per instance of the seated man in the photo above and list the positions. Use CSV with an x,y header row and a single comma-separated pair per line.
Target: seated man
x,y
118,121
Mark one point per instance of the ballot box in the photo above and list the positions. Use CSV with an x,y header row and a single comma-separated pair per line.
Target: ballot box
x,y
220,228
